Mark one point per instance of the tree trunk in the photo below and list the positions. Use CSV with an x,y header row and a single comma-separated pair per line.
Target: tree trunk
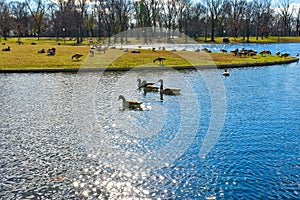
x,y
212,37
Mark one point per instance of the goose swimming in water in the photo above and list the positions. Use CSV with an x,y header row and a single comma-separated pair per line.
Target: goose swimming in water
x,y
131,104
168,91
226,73
144,83
151,88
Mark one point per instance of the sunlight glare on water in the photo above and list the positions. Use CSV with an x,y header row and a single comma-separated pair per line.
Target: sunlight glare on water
x,y
45,152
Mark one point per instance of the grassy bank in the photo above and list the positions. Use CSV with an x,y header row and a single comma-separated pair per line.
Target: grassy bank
x,y
187,58
26,56
270,39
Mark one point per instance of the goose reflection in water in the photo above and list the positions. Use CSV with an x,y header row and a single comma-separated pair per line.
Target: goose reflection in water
x,y
150,88
167,91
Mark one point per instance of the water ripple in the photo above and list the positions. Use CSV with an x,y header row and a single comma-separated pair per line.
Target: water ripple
x,y
43,154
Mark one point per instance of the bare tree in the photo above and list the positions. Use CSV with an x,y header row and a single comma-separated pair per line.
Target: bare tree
x,y
99,13
82,7
5,19
124,9
106,14
80,18
214,8
151,13
247,19
236,12
198,16
156,7
261,12
19,13
63,18
298,23
267,19
90,21
184,16
169,17
142,13
222,19
37,10
286,13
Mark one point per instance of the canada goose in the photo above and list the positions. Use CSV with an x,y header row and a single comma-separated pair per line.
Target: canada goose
x,y
206,50
284,55
6,49
51,52
168,91
131,104
263,52
42,51
144,83
235,52
135,51
226,73
77,56
160,59
151,88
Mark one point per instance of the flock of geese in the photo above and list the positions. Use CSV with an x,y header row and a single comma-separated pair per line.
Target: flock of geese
x,y
148,87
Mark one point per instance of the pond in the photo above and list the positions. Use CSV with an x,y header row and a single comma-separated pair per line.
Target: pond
x,y
64,135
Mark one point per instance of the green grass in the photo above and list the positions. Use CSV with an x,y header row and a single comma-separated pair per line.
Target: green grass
x,y
187,58
26,57
270,39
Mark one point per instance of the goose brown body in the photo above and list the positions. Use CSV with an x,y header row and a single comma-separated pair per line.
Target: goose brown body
x,y
77,56
151,88
160,59
168,91
131,104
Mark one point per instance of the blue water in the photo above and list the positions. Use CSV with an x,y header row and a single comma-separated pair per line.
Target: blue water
x,y
71,126
257,155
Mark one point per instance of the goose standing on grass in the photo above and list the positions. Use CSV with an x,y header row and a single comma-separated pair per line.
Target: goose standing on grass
x,y
131,104
144,83
168,91
77,56
160,59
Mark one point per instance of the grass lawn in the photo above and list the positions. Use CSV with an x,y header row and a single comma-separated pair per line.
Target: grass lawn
x,y
26,56
188,58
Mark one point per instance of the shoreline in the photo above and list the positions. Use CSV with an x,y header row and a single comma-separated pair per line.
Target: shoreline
x,y
75,70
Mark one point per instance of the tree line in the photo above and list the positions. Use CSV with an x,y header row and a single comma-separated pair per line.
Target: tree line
x,y
104,18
